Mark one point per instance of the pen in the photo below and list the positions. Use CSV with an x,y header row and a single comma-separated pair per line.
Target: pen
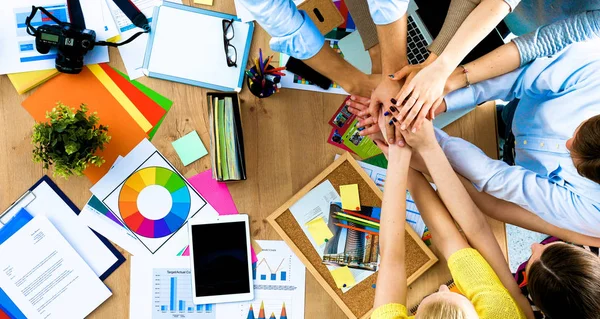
x,y
358,229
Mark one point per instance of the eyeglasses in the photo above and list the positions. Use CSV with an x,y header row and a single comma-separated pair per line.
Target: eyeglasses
x,y
230,50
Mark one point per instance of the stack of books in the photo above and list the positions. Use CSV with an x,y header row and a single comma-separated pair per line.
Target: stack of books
x,y
226,139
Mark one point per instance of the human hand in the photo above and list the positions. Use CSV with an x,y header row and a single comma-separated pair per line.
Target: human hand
x,y
382,97
421,96
421,140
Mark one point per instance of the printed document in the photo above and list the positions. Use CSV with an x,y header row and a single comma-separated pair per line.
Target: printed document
x,y
44,276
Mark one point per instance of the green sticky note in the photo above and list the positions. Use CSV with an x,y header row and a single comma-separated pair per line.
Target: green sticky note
x,y
162,101
189,148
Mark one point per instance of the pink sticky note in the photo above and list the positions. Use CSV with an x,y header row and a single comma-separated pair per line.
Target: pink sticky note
x,y
218,196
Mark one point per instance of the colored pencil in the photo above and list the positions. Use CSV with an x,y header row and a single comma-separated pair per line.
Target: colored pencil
x,y
361,216
267,64
257,65
275,69
359,219
260,60
276,73
354,221
357,229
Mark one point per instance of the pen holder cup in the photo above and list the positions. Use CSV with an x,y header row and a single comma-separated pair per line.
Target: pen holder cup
x,y
256,85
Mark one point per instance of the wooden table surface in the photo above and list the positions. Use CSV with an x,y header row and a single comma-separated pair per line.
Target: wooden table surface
x,y
285,140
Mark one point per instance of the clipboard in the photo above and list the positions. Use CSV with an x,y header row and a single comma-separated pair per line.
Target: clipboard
x,y
29,197
186,45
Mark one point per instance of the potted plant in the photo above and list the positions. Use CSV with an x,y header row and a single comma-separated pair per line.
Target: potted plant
x,y
69,140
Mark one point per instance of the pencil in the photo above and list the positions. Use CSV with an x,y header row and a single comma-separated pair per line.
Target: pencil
x,y
276,73
357,229
359,219
361,216
355,221
267,63
257,65
260,60
281,68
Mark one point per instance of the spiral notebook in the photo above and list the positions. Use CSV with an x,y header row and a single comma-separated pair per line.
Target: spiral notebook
x,y
186,45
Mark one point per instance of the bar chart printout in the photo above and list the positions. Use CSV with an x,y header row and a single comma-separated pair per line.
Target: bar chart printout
x,y
173,296
279,286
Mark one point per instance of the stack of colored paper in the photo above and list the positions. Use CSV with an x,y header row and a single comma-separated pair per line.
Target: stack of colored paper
x,y
131,110
226,141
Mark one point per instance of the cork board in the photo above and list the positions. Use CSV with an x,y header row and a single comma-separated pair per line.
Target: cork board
x,y
358,301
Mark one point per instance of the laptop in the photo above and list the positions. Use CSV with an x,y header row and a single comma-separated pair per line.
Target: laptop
x,y
417,36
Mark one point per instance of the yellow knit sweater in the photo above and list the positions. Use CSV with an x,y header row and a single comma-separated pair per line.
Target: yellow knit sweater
x,y
477,281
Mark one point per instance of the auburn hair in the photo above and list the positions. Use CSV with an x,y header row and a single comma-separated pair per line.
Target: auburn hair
x,y
565,282
586,149
441,309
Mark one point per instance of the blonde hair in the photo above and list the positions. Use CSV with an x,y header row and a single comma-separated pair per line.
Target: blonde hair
x,y
441,309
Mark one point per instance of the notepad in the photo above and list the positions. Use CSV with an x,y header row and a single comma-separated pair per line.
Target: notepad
x,y
343,277
186,45
350,197
189,148
319,231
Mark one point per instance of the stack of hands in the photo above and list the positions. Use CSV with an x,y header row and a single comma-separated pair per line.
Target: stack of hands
x,y
401,105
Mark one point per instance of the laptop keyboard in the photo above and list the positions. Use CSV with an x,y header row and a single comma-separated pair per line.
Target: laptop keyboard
x,y
417,45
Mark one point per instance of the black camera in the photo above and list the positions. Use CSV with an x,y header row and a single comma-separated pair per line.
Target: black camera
x,y
72,44
72,40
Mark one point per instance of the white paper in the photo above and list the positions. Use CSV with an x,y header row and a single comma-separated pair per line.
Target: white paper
x,y
315,204
84,241
17,48
109,188
133,52
284,281
45,277
116,233
189,45
150,289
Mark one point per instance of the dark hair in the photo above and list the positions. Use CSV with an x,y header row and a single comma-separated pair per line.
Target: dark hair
x,y
586,149
565,282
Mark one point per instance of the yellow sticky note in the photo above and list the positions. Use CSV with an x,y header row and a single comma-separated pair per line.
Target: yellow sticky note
x,y
343,277
350,198
204,2
319,231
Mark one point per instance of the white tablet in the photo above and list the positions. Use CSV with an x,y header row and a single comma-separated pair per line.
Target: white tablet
x,y
221,260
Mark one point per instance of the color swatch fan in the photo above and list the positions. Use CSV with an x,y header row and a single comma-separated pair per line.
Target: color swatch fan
x,y
152,199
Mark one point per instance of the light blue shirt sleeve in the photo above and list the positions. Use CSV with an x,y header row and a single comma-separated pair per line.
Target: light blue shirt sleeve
x,y
501,87
550,39
387,11
510,183
292,31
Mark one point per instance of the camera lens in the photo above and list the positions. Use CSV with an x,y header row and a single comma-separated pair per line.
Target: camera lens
x,y
71,65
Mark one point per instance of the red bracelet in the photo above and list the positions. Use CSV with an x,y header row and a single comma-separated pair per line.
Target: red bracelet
x,y
466,72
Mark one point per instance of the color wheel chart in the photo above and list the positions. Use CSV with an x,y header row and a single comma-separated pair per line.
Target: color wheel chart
x,y
143,213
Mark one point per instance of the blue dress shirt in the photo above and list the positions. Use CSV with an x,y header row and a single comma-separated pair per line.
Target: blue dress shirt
x,y
556,95
293,32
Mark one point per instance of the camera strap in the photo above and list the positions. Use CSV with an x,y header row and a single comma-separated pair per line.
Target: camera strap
x,y
77,19
137,18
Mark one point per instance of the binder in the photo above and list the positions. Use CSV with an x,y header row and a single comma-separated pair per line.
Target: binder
x,y
186,45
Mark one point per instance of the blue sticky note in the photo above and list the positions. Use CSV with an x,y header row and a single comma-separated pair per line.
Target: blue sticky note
x,y
189,148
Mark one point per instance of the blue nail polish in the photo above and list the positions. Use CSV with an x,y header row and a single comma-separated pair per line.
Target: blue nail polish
x,y
386,113
391,122
361,128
